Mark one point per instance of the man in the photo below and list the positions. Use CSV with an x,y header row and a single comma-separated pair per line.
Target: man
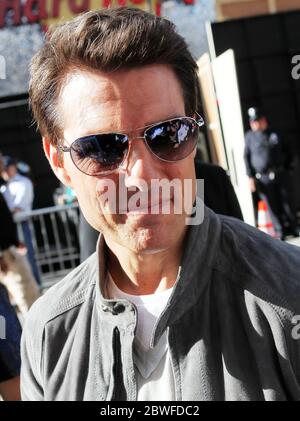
x,y
20,188
166,309
15,271
18,193
266,162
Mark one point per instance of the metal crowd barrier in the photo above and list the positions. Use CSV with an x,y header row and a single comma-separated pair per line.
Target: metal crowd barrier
x,y
55,240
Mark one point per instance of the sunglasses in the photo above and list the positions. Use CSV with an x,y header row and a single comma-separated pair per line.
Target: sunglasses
x,y
170,141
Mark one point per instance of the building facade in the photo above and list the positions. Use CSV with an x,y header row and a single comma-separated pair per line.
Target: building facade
x,y
233,9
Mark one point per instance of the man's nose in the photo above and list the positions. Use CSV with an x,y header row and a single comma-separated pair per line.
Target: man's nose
x,y
141,166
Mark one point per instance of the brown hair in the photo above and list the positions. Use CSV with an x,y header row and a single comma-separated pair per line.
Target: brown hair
x,y
106,40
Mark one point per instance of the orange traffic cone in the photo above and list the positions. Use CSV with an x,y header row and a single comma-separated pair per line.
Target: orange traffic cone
x,y
264,222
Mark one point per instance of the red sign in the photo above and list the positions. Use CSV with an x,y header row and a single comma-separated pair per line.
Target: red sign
x,y
39,10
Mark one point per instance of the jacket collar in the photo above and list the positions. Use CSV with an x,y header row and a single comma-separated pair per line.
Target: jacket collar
x,y
200,246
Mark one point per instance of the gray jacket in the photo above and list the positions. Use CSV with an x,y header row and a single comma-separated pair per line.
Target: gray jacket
x,y
229,322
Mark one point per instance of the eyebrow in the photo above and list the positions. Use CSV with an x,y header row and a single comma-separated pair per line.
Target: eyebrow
x,y
160,121
128,131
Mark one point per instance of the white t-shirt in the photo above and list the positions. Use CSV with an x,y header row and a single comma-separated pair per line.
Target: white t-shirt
x,y
154,373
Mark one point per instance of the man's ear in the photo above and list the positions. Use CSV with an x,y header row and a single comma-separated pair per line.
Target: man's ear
x,y
56,162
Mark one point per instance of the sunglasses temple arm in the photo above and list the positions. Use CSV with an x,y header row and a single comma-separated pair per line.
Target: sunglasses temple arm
x,y
199,119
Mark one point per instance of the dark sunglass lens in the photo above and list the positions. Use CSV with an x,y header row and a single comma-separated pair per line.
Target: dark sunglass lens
x,y
173,140
99,153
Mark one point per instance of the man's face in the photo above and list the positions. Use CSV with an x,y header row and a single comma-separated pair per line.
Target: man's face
x,y
10,171
122,102
259,125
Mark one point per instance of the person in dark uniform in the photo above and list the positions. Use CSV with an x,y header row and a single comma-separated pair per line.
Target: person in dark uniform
x,y
267,160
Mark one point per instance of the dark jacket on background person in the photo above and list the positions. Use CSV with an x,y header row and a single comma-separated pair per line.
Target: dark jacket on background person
x,y
8,231
10,360
219,194
229,321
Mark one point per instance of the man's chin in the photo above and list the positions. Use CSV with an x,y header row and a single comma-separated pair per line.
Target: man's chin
x,y
153,233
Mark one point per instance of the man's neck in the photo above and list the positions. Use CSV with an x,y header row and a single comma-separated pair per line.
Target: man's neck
x,y
142,274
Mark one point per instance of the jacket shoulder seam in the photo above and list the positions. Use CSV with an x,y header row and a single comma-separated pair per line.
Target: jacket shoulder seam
x,y
68,303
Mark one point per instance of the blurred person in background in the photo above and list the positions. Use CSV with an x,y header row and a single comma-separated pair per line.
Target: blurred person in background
x,y
267,159
18,193
16,273
10,328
